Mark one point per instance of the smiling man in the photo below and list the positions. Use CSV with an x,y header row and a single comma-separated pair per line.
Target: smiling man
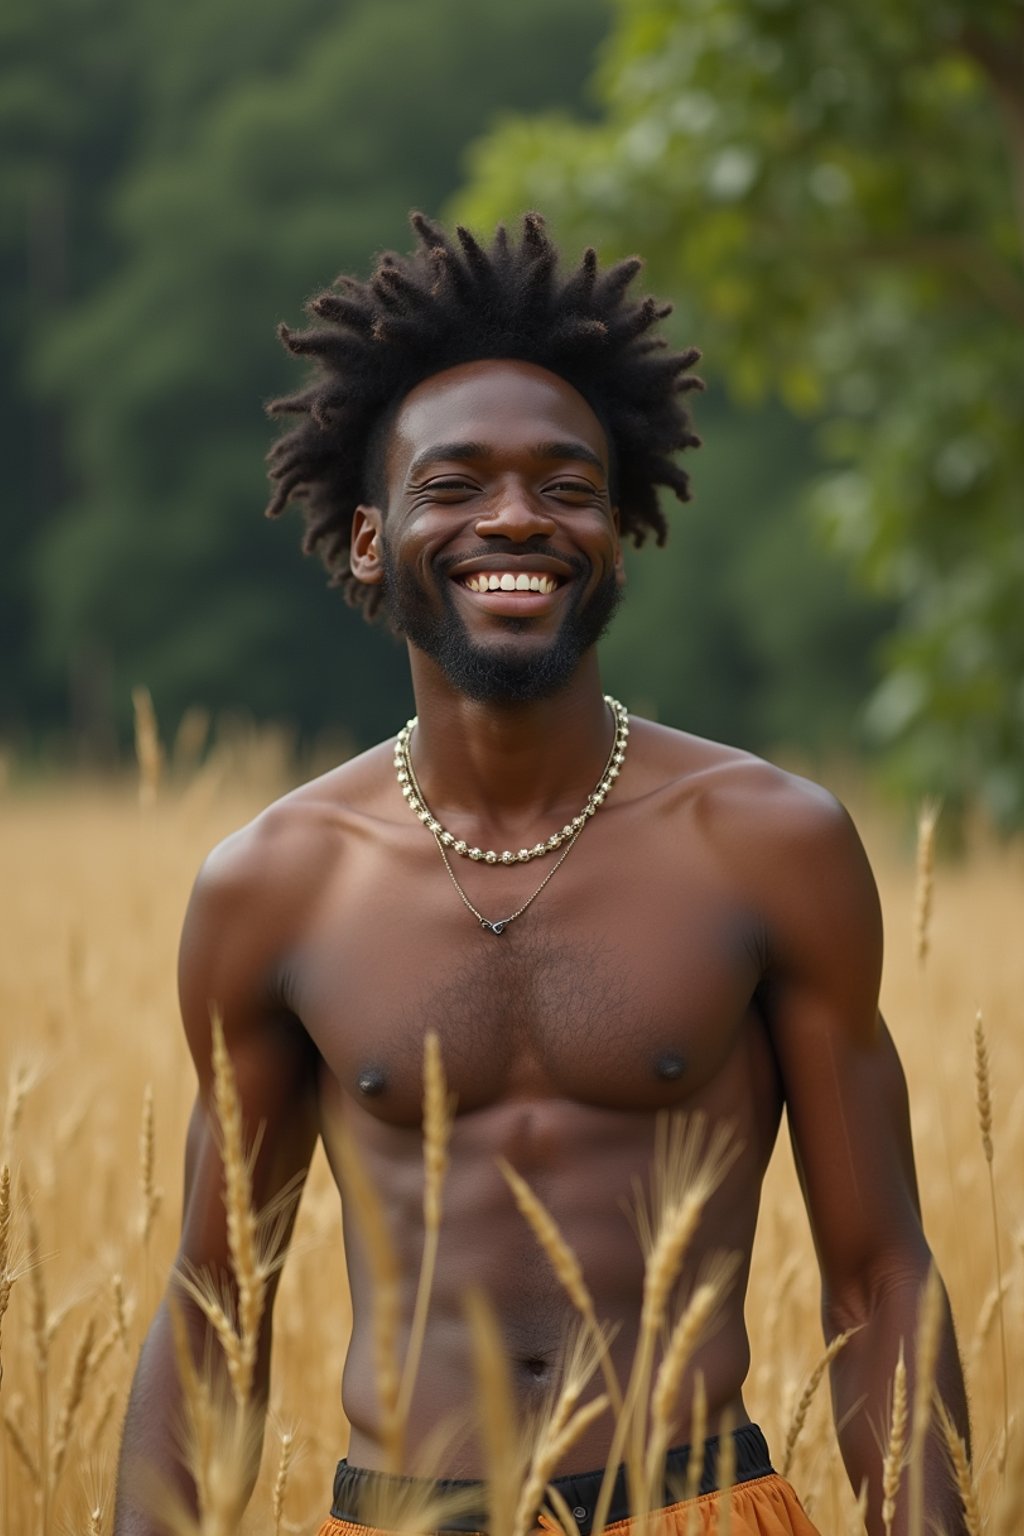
x,y
601,918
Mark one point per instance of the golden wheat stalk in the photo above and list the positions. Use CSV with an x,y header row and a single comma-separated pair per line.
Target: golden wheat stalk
x,y
197,1426
807,1396
982,1081
284,1465
438,1113
6,1267
859,1513
148,751
926,1353
690,1330
894,1461
150,1194
13,1420
242,1224
365,1208
726,1472
548,1456
559,1506
558,1429
498,1429
567,1269
74,1391
961,1467
927,819
695,1464
22,1079
688,1167
40,1330
101,1421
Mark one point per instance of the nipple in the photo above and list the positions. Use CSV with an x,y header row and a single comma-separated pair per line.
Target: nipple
x,y
669,1066
371,1082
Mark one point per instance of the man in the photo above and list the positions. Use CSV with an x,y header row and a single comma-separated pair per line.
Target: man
x,y
600,918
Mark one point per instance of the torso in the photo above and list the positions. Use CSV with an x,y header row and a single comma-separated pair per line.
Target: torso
x,y
631,987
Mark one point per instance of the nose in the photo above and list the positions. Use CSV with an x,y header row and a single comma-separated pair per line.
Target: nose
x,y
514,513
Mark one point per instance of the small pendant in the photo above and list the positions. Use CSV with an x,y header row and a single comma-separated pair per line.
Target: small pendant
x,y
496,928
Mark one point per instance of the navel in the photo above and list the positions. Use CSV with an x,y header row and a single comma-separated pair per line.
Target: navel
x,y
669,1066
372,1082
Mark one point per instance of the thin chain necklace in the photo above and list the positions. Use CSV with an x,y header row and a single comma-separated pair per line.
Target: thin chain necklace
x,y
444,839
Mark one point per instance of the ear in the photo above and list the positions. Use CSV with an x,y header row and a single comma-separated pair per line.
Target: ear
x,y
364,546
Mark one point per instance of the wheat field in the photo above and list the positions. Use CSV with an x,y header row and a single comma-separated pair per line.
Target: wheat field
x,y
99,1087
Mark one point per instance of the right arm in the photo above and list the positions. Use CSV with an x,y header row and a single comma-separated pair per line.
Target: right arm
x,y
230,946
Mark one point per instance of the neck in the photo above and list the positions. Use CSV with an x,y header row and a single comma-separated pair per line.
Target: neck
x,y
509,766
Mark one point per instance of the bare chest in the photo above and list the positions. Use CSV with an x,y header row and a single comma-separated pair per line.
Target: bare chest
x,y
622,994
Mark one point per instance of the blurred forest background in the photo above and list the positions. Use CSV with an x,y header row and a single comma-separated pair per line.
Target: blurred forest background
x,y
832,196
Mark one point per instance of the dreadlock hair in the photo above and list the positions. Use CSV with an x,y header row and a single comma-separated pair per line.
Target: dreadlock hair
x,y
452,302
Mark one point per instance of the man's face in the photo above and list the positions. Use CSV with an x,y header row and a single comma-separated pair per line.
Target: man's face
x,y
499,545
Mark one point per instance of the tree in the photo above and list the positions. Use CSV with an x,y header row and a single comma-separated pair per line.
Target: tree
x,y
224,168
836,193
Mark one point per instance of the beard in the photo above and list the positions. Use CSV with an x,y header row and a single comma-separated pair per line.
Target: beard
x,y
496,673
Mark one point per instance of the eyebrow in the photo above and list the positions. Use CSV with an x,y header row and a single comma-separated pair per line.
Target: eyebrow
x,y
446,452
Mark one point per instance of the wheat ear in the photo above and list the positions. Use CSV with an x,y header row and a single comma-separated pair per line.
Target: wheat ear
x,y
683,1178
984,1099
12,1423
438,1112
198,1410
925,1356
558,1429
41,1358
148,751
550,1454
961,1466
281,1480
6,1268
564,1516
927,819
74,1391
242,1224
691,1327
892,1466
567,1269
100,1422
807,1396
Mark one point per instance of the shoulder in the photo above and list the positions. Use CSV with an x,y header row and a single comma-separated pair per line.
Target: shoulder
x,y
786,843
735,790
255,891
288,847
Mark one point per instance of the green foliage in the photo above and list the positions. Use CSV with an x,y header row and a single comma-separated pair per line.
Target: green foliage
x,y
181,182
836,196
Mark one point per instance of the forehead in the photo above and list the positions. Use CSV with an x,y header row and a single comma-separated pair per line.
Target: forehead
x,y
500,404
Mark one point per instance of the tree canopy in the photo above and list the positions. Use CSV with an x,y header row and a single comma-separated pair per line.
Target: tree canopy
x,y
835,194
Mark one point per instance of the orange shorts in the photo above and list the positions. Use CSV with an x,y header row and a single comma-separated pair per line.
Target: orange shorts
x,y
764,1506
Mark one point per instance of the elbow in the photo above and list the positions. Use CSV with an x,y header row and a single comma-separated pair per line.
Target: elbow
x,y
901,1275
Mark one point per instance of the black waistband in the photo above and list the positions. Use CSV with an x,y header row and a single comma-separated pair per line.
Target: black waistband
x,y
353,1484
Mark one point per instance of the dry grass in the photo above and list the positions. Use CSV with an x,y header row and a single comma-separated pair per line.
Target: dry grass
x,y
94,891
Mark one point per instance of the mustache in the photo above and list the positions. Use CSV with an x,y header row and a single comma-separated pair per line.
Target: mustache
x,y
442,564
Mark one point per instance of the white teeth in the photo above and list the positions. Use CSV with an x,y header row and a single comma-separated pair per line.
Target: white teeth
x,y
489,581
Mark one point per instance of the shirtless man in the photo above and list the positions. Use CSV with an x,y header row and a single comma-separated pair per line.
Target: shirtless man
x,y
480,435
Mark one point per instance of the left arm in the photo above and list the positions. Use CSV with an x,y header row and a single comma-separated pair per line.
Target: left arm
x,y
849,1122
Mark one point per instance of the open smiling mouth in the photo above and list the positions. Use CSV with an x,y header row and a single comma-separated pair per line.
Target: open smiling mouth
x,y
509,581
